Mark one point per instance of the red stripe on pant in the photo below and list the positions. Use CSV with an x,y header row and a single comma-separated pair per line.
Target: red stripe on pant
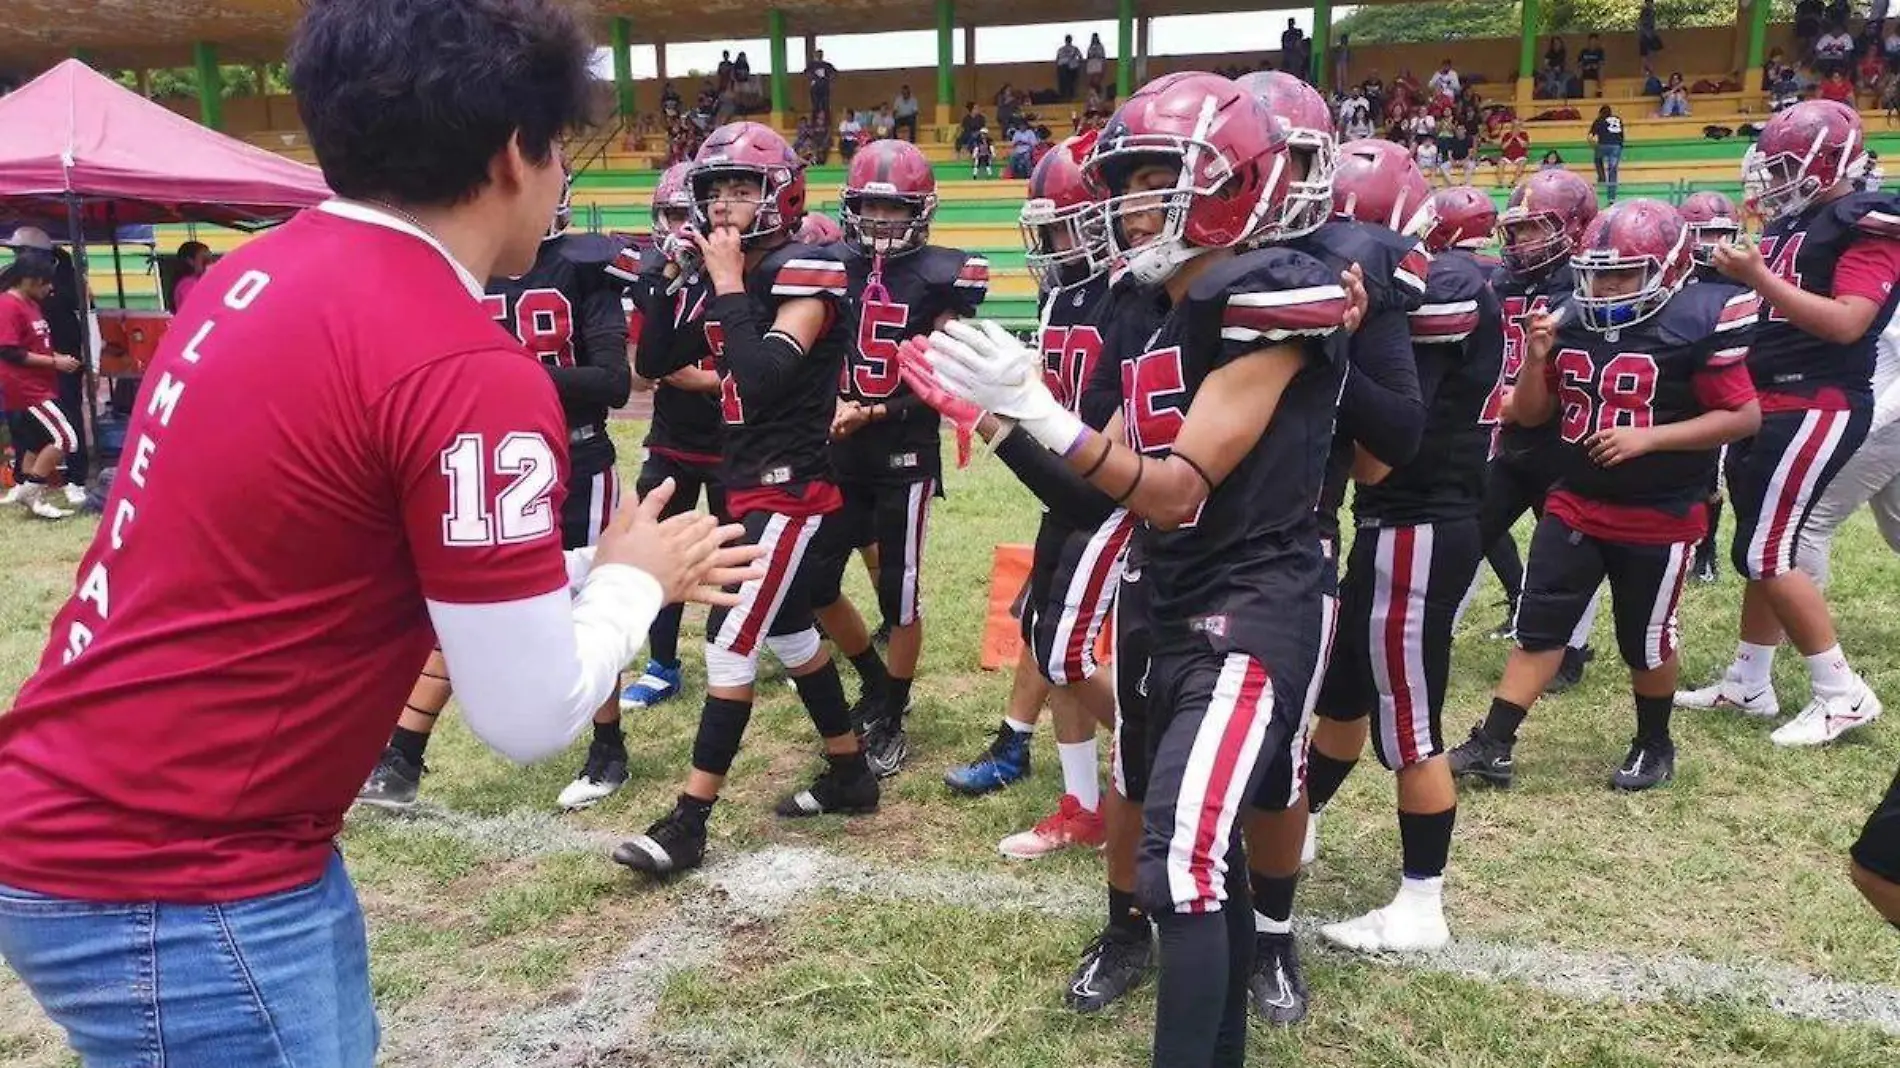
x,y
1226,759
1398,602
609,500
777,572
1080,645
1684,555
1788,503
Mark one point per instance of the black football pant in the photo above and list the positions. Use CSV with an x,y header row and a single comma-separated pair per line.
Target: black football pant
x,y
689,481
1072,580
1566,567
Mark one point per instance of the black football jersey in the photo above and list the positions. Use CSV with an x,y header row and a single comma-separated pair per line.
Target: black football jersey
x,y
567,313
1646,375
919,287
686,424
1804,249
1520,299
1459,341
783,441
1246,567
1394,269
1072,334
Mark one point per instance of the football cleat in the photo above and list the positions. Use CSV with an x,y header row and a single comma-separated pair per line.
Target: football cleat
x,y
394,783
1705,569
1484,758
1506,630
46,509
1828,716
17,494
1570,672
75,495
1004,762
1276,987
603,774
1649,764
674,842
1069,825
1112,965
1730,693
885,746
656,684
1410,924
847,787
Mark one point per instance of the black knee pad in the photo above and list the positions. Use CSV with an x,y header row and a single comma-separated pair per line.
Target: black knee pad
x,y
722,726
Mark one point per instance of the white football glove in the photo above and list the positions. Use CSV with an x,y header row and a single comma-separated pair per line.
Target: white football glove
x,y
982,363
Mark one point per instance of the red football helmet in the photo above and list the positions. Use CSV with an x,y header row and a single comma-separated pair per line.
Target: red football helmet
x,y
889,171
1312,142
1063,241
756,151
1379,183
1460,217
672,201
818,229
1631,236
1233,172
1802,153
1712,221
1544,220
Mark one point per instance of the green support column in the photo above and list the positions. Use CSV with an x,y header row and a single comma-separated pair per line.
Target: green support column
x,y
1124,48
83,55
623,68
775,33
1757,41
1527,51
946,60
210,85
1322,44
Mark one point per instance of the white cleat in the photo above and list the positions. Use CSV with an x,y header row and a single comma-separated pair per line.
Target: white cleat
x,y
75,495
1730,694
46,509
1309,850
1414,926
17,494
1827,717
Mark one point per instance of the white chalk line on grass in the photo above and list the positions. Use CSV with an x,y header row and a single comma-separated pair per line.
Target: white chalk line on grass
x,y
611,1012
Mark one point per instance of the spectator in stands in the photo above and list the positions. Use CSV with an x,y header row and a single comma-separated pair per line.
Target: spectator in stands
x,y
883,125
1459,159
742,70
1097,62
1068,67
1421,126
973,124
1607,135
1590,63
725,70
818,78
805,143
850,134
1871,175
194,259
669,101
983,154
1514,153
1807,20
1890,48
1022,151
1837,88
1833,50
1342,61
1445,82
1355,116
1552,82
1870,69
1784,89
1652,85
1675,98
904,113
1648,41
1007,103
1557,56
1290,49
1426,154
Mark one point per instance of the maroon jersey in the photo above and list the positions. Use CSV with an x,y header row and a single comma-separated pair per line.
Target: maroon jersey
x,y
1521,300
668,335
248,619
1687,359
23,326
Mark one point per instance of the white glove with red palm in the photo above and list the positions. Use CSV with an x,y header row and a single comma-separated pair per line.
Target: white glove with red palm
x,y
982,363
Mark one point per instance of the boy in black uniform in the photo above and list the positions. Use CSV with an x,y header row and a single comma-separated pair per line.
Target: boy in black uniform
x,y
1644,378
566,312
686,434
886,450
1712,220
779,341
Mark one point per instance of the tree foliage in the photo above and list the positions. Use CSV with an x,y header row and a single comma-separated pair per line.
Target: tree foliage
x,y
235,80
1450,20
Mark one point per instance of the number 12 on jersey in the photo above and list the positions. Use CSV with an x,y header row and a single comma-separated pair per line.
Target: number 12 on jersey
x,y
522,511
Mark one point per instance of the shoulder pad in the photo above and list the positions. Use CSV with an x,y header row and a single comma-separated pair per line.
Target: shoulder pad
x,y
1450,311
1876,214
804,271
589,250
1394,265
1271,295
630,262
1724,322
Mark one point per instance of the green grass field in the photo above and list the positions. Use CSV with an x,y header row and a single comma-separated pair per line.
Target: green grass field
x,y
1706,925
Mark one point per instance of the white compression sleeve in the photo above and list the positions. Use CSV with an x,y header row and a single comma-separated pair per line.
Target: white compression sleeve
x,y
530,673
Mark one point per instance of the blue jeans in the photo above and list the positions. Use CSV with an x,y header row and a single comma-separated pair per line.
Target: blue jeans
x,y
280,981
1609,158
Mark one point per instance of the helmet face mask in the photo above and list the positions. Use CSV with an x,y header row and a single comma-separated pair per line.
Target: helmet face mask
x,y
672,202
1313,156
1634,259
887,224
1532,243
1706,236
1544,222
564,209
1802,153
733,197
1062,246
1779,185
1712,221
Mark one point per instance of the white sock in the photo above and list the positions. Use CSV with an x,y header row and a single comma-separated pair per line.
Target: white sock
x,y
1421,891
1019,726
1267,925
1828,668
1754,664
1079,774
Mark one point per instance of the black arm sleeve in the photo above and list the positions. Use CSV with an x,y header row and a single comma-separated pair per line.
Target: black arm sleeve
x,y
1070,499
13,354
663,347
762,363
605,379
1381,407
1435,363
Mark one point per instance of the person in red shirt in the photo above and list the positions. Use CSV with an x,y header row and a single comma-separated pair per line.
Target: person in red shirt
x,y
247,620
1515,150
1837,88
29,383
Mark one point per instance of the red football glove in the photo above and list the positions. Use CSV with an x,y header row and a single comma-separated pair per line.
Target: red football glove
x,y
913,364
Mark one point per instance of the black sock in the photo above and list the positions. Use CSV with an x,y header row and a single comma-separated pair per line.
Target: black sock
x,y
874,682
33,480
663,637
1191,998
1425,842
1652,718
1324,776
1715,525
899,702
822,691
410,744
1273,894
608,734
1504,719
1125,916
1230,1044
849,765
694,808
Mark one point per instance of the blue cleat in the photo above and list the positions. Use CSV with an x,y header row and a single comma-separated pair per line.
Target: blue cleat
x,y
1004,762
658,683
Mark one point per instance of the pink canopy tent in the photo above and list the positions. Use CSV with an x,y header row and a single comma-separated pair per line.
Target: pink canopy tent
x,y
73,138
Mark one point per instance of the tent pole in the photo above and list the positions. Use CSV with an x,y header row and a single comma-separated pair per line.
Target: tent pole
x,y
88,381
118,268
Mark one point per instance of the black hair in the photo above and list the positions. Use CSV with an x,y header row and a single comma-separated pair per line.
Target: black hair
x,y
29,265
191,250
411,101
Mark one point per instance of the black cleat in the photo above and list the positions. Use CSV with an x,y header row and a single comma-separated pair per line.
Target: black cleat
x,y
675,842
885,746
393,784
882,636
1506,630
1482,757
1649,764
1570,672
1705,569
1112,965
1276,987
846,787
